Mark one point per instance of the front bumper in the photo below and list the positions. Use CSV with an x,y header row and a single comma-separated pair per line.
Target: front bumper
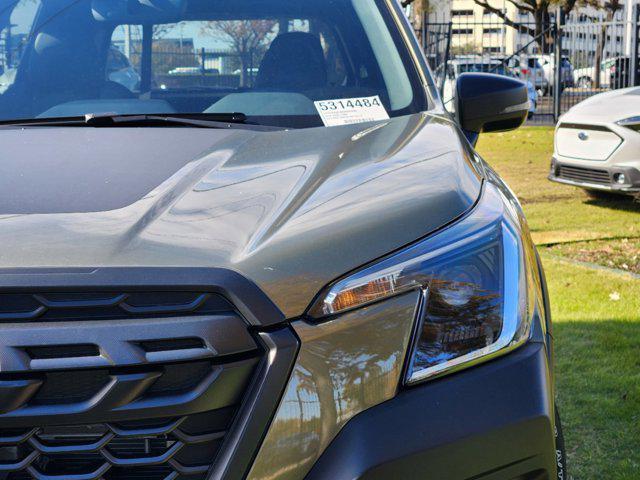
x,y
490,422
600,178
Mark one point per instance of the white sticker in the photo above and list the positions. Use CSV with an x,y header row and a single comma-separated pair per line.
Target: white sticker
x,y
347,111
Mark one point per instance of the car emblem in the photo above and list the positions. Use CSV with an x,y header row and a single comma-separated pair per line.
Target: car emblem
x,y
583,136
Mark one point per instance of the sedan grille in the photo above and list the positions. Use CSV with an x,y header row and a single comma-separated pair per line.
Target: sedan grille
x,y
584,175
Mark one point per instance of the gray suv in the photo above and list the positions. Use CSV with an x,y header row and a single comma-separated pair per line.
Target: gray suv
x,y
286,263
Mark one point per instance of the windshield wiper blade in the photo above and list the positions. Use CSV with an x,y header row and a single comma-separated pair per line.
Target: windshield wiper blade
x,y
105,120
202,120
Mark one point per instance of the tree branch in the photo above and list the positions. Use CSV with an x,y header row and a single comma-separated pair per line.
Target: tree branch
x,y
520,6
507,21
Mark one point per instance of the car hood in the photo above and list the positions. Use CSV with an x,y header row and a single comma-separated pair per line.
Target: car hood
x,y
606,107
289,210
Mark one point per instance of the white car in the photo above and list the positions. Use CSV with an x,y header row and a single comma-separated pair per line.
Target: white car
x,y
597,144
613,74
548,67
530,69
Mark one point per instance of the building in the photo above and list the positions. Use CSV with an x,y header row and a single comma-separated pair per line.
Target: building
x,y
477,30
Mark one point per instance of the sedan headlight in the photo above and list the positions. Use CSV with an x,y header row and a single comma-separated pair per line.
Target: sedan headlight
x,y
476,285
632,122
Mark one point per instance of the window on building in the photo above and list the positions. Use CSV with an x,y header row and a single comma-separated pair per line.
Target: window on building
x,y
461,13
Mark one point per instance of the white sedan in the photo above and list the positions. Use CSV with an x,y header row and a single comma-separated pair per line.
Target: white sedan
x,y
597,144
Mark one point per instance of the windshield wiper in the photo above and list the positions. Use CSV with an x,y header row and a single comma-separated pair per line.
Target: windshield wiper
x,y
105,120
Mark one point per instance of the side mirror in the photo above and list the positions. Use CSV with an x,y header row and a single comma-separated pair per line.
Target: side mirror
x,y
490,103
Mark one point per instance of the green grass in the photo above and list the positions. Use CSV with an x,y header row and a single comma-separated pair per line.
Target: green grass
x,y
596,312
622,254
556,213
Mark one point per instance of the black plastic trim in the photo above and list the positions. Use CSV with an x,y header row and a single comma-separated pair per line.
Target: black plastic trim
x,y
494,421
252,303
260,405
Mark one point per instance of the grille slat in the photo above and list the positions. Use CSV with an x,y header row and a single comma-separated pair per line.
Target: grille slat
x,y
45,307
580,174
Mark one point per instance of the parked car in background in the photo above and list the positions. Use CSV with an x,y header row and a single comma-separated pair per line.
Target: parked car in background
x,y
621,72
470,64
187,71
612,73
533,98
548,67
597,144
531,70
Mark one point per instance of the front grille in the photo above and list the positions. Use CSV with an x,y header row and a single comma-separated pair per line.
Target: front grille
x,y
168,448
150,398
584,175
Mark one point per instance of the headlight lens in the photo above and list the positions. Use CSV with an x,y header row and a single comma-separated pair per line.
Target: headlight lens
x,y
632,122
475,281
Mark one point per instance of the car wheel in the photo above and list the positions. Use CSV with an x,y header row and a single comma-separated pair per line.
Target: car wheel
x,y
561,451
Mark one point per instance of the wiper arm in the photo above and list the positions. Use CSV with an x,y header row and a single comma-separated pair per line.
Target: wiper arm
x,y
105,120
201,120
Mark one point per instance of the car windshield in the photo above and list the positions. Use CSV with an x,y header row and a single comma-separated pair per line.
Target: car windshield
x,y
497,68
273,60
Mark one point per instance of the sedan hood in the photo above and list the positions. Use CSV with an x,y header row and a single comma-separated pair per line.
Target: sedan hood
x,y
290,210
606,107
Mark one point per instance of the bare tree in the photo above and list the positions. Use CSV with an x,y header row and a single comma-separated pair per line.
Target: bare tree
x,y
540,10
248,40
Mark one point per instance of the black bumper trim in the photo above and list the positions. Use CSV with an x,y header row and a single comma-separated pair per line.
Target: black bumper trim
x,y
493,422
631,186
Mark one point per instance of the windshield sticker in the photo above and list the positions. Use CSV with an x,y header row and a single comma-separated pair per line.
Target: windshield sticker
x,y
347,111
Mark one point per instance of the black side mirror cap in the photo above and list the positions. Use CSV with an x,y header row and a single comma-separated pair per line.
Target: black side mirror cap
x,y
490,103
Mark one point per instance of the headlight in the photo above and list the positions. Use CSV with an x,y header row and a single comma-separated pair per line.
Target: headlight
x,y
476,289
632,122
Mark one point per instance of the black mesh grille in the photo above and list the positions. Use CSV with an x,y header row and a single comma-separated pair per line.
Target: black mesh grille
x,y
108,305
587,175
137,450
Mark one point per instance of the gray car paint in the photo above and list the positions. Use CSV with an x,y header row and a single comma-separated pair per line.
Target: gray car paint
x,y
344,367
291,210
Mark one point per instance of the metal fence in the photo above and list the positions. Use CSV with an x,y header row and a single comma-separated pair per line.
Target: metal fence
x,y
564,62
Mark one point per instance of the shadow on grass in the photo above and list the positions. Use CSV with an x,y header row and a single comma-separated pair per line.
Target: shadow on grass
x,y
598,389
616,202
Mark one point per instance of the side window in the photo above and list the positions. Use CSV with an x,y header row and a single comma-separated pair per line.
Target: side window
x,y
14,34
123,57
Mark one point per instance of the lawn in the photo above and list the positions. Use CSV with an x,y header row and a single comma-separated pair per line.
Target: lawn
x,y
590,250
